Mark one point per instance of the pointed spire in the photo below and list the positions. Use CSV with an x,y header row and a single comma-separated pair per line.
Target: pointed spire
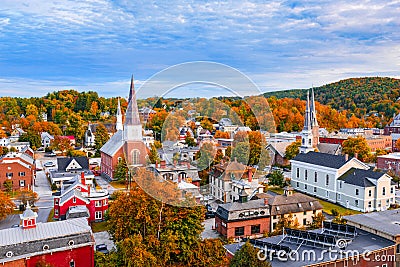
x,y
132,113
119,125
307,124
314,121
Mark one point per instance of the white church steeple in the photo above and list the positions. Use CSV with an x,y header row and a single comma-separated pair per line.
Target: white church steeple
x,y
119,126
306,134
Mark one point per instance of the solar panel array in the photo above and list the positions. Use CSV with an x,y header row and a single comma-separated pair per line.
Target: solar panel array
x,y
309,238
269,248
340,230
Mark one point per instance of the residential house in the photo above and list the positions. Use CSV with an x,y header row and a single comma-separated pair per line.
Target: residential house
x,y
68,168
64,244
277,152
46,139
338,179
233,181
17,168
127,142
77,198
145,113
254,218
89,136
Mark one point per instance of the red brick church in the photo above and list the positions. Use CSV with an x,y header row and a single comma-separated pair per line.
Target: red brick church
x,y
127,142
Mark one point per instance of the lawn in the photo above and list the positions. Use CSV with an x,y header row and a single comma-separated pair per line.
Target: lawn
x,y
99,227
276,190
118,185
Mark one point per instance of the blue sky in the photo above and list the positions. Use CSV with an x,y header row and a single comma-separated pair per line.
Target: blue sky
x,y
97,44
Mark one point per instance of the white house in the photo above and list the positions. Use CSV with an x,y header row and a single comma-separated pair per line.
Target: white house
x,y
338,179
46,139
89,136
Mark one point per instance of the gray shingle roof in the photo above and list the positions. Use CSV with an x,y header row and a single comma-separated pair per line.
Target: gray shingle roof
x,y
360,177
113,144
63,163
332,149
322,159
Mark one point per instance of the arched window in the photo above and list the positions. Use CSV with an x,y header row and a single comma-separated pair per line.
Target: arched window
x,y
135,157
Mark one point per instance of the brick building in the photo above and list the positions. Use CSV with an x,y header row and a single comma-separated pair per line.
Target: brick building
x,y
18,168
127,142
256,217
389,162
79,199
67,243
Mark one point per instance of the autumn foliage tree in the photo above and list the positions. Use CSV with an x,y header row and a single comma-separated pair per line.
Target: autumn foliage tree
x,y
357,146
149,231
292,150
61,143
6,205
247,256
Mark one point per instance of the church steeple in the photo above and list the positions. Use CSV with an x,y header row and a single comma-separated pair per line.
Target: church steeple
x,y
119,126
132,126
314,121
307,134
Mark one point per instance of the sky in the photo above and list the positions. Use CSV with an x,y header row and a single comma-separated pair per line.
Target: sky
x,y
98,44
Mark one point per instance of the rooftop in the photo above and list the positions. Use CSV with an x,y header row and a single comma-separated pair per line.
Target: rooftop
x,y
391,156
363,242
363,178
387,222
322,159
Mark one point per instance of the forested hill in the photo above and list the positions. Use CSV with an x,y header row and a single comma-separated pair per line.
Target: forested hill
x,y
360,96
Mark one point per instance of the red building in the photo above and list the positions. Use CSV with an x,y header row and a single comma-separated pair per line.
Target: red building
x,y
18,168
80,200
68,243
389,162
127,142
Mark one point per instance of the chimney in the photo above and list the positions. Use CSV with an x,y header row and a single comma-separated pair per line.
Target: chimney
x,y
83,180
356,155
266,201
250,173
174,162
163,164
346,157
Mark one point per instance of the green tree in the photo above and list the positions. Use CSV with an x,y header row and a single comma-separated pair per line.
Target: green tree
x,y
101,136
247,256
292,150
121,170
3,150
276,178
153,156
189,140
318,219
357,146
205,156
33,139
241,152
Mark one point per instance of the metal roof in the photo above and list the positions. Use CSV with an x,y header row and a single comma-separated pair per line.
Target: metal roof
x,y
113,144
322,159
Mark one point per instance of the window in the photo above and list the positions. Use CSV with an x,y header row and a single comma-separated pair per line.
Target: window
x,y
119,159
391,190
315,189
327,193
304,221
105,202
277,208
21,183
74,200
98,215
98,203
369,204
315,177
56,201
369,193
298,172
305,186
384,191
274,217
72,263
356,202
299,205
239,231
56,212
305,213
297,184
305,175
357,192
21,173
339,196
274,226
340,184
255,229
135,157
327,180
9,174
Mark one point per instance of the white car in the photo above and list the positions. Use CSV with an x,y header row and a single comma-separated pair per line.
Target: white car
x,y
49,164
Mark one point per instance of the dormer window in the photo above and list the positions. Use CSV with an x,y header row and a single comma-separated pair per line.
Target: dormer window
x,y
299,204
277,208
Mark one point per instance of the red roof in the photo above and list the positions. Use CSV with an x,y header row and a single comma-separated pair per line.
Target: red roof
x,y
70,137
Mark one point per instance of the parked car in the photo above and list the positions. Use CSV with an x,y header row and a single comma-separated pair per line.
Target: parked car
x,y
15,226
210,214
95,163
49,164
102,248
51,154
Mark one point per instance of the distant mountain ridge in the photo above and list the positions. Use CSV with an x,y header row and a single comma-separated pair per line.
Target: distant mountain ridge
x,y
360,96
